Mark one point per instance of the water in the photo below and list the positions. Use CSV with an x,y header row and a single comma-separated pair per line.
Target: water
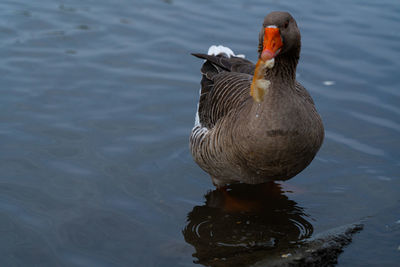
x,y
97,102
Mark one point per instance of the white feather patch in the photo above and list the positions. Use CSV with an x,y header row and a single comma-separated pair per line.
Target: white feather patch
x,y
216,50
197,119
198,130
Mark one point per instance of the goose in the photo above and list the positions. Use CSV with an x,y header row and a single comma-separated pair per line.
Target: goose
x,y
255,123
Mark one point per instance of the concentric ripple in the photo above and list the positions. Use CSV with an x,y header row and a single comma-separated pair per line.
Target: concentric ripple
x,y
242,220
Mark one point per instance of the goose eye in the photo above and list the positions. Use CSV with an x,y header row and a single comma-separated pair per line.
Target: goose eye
x,y
286,24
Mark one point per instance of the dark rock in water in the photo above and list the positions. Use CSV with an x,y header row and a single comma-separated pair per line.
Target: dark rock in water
x,y
321,250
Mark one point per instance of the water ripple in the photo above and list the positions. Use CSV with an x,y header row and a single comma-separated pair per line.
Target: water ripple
x,y
354,144
243,219
377,121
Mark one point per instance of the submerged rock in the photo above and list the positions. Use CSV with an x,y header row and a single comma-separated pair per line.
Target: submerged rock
x,y
321,250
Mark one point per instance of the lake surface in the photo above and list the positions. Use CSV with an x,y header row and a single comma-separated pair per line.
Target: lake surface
x,y
97,102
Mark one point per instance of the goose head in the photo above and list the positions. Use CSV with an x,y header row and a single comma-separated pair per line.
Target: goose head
x,y
279,35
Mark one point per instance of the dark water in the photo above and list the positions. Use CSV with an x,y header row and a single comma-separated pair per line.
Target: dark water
x,y
97,102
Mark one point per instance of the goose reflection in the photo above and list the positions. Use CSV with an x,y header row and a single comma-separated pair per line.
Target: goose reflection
x,y
242,224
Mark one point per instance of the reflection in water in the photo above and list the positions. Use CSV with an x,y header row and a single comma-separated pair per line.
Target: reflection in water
x,y
244,224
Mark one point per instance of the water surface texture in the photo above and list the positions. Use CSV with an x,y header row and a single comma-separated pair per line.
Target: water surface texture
x,y
97,102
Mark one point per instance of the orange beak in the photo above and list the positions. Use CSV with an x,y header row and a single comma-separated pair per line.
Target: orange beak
x,y
272,43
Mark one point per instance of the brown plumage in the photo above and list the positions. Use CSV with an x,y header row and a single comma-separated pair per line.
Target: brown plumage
x,y
236,138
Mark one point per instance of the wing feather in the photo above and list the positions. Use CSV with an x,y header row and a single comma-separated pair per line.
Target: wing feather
x,y
225,86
